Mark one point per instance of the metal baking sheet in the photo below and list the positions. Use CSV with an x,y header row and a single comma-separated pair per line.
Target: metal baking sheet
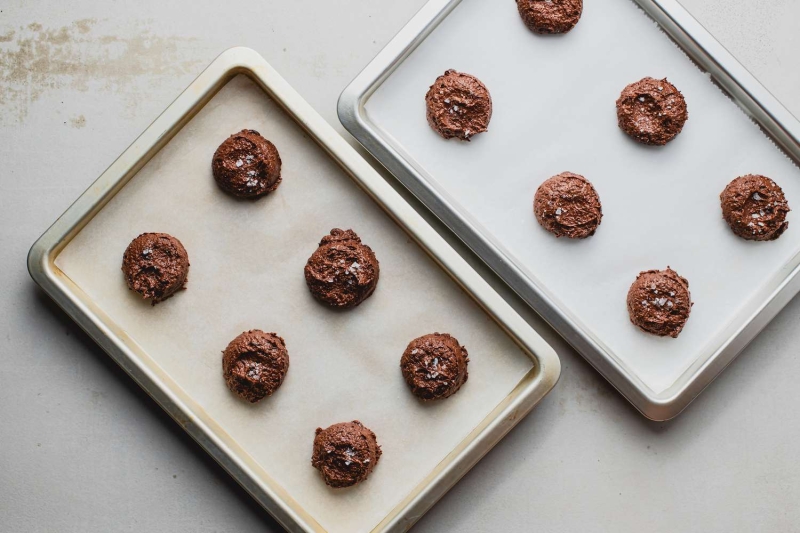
x,y
554,111
246,272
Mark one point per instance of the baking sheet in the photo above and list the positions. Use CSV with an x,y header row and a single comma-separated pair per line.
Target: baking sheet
x,y
554,111
246,272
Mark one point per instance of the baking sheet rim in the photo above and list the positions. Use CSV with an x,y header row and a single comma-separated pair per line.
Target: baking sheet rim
x,y
780,125
41,265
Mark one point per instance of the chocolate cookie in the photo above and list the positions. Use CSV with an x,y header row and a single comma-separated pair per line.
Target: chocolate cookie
x,y
434,366
247,165
458,105
651,111
254,364
755,208
659,302
155,265
345,453
550,16
342,272
567,205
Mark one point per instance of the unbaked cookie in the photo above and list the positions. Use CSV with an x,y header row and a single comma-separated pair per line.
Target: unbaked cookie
x,y
434,366
247,165
659,302
345,454
651,111
458,105
567,205
342,272
550,16
755,208
155,265
255,364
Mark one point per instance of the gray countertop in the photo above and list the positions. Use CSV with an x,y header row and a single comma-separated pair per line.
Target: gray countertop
x,y
82,449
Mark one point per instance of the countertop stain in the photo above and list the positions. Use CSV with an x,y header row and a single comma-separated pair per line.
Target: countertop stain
x,y
79,56
78,122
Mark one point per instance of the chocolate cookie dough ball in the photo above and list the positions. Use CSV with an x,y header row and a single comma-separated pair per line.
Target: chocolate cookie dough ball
x,y
651,111
659,302
434,366
247,165
458,105
345,453
550,16
567,205
342,272
755,208
155,265
254,364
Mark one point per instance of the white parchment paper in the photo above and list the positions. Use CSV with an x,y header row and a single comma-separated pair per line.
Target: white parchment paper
x,y
246,272
554,111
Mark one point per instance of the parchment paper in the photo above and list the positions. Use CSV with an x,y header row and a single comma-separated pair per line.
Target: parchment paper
x,y
246,272
554,111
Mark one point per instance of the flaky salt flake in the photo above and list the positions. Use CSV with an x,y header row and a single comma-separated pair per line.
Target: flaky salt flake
x,y
239,163
669,304
756,196
641,98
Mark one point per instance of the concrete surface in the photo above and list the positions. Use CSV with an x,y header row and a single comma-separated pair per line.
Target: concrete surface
x,y
82,449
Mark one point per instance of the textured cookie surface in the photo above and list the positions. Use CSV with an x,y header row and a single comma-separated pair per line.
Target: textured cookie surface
x,y
458,105
652,111
550,16
155,265
247,165
755,208
659,302
345,454
567,205
434,366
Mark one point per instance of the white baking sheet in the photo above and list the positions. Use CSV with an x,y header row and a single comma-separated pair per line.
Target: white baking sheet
x,y
246,272
554,111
